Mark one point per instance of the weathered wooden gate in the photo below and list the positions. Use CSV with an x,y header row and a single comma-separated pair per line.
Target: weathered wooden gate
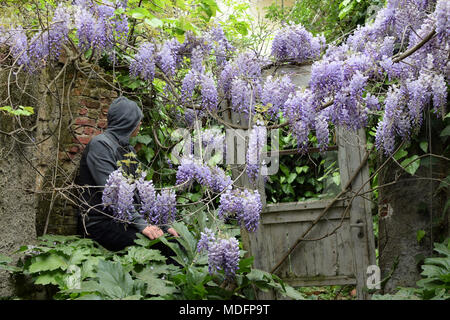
x,y
320,242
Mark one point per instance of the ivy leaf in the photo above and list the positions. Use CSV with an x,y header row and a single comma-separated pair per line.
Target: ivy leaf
x,y
420,234
424,146
411,164
445,132
400,154
291,177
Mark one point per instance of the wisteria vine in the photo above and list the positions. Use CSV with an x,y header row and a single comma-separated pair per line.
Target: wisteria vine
x,y
389,50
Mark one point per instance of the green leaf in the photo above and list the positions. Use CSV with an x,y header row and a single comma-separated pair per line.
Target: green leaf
x,y
114,281
50,277
186,238
241,27
411,164
4,259
294,294
291,177
284,169
149,153
420,235
47,262
143,255
144,139
140,13
337,179
245,264
400,154
19,111
180,257
154,22
346,10
445,132
424,146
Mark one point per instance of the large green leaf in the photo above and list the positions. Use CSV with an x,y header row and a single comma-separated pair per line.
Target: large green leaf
x,y
50,277
180,256
186,239
143,255
113,281
48,262
155,285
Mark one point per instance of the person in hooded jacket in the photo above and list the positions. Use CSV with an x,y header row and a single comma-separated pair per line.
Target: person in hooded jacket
x,y
99,159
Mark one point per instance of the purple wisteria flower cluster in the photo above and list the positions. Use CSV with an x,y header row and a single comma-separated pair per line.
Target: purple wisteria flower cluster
x,y
120,192
191,169
45,45
241,81
118,195
223,254
207,86
256,142
341,79
295,43
275,93
143,64
98,27
244,205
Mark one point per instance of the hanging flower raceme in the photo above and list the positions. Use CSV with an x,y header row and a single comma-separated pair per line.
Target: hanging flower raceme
x,y
241,81
205,83
300,111
168,57
165,209
143,64
207,238
48,44
244,205
297,44
191,170
221,45
256,142
18,41
147,195
274,94
118,195
223,254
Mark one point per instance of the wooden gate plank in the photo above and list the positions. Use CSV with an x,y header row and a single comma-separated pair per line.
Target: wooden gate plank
x,y
351,152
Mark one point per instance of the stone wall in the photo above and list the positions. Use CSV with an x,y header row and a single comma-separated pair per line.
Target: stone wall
x,y
38,163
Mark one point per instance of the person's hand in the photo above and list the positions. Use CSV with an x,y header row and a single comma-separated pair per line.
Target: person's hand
x,y
173,232
152,232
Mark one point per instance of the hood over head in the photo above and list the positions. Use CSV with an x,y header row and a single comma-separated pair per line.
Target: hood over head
x,y
123,117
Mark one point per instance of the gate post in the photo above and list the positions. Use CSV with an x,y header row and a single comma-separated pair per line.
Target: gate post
x,y
351,152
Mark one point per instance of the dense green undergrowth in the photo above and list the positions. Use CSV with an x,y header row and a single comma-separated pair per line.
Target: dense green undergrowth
x,y
75,268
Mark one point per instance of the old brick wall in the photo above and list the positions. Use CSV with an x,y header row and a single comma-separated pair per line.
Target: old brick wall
x,y
84,117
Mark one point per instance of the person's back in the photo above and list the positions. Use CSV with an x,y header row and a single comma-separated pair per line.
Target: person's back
x,y
100,158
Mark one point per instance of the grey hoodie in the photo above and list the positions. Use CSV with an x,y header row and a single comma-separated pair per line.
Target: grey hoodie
x,y
103,152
